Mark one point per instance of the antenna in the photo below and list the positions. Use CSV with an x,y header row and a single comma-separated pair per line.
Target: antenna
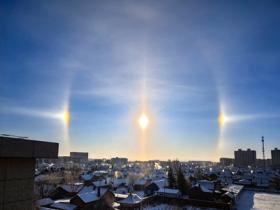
x,y
263,152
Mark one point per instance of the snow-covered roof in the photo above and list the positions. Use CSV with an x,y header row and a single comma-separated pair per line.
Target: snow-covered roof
x,y
206,184
118,195
244,181
88,197
87,177
91,196
117,182
44,202
229,194
169,191
86,189
64,206
121,190
100,183
233,188
204,189
161,183
141,194
140,182
131,199
72,188
99,173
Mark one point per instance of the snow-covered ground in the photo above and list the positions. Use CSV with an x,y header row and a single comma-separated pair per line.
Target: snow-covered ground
x,y
250,200
169,207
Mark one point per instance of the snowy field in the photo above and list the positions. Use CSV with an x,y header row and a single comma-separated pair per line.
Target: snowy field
x,y
258,201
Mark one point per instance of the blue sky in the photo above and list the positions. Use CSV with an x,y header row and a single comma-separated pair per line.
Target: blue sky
x,y
185,61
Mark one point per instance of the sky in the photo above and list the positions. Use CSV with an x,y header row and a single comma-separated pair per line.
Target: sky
x,y
205,73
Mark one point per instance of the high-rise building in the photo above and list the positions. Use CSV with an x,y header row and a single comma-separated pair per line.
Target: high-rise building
x,y
260,163
275,158
245,158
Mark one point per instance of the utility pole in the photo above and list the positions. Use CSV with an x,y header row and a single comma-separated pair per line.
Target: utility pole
x,y
263,152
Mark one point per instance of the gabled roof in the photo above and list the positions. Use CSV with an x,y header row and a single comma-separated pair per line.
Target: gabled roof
x,y
131,199
91,196
44,202
228,194
86,189
233,188
160,183
72,188
88,197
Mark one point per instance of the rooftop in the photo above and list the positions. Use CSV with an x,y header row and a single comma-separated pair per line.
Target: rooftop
x,y
25,148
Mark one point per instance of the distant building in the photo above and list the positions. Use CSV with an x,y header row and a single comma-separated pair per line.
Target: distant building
x,y
245,158
226,161
79,156
275,158
260,163
118,162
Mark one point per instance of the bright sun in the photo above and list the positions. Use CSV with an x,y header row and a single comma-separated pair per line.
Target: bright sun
x,y
143,121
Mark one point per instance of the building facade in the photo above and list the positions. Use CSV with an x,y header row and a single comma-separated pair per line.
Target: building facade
x,y
275,158
17,167
226,161
79,156
245,158
119,162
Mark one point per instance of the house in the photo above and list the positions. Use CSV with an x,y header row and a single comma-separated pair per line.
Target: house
x,y
87,178
140,185
133,201
234,189
66,191
228,197
153,187
98,199
122,190
209,185
168,192
101,183
119,182
199,192
97,175
150,189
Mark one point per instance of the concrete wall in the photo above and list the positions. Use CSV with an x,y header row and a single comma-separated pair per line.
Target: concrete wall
x,y
16,183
